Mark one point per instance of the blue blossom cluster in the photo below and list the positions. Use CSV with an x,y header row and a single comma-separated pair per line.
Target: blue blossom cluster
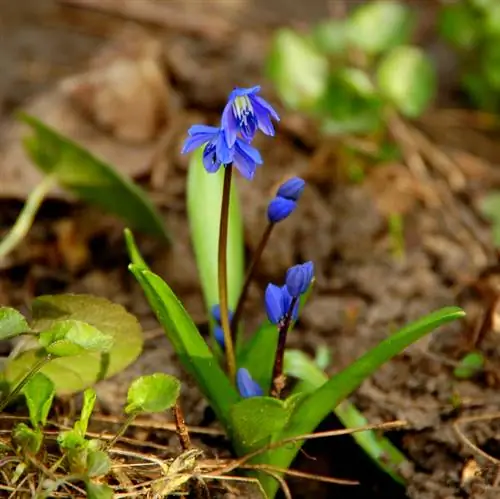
x,y
285,202
229,144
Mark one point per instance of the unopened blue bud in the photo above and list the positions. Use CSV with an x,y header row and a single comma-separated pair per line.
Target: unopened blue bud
x,y
279,209
287,302
275,306
291,189
246,385
299,277
217,316
219,337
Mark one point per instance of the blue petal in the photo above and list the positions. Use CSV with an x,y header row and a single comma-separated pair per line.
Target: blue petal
x,y
280,208
217,315
210,160
270,109
263,119
239,92
246,385
199,135
287,301
224,152
291,189
197,129
299,277
229,124
273,300
246,159
219,337
249,151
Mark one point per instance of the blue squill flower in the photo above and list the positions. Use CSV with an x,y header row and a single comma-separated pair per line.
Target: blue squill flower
x,y
216,314
245,112
246,385
277,301
217,152
291,189
299,277
280,208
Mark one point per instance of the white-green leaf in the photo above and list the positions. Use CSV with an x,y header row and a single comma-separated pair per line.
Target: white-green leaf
x,y
39,393
407,78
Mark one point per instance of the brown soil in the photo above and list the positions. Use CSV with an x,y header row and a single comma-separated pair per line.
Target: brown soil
x,y
363,290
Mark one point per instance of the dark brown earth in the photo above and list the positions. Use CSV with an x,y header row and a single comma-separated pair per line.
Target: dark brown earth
x,y
364,291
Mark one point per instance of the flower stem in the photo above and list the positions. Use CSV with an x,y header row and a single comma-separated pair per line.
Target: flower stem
x,y
122,430
26,217
180,427
222,273
278,377
248,278
24,381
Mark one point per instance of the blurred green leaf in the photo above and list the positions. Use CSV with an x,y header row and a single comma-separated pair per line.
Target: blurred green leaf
x,y
77,373
153,393
480,91
98,491
253,421
358,81
71,440
98,463
407,78
458,25
39,393
28,439
469,366
69,337
379,448
91,179
204,197
490,209
490,63
193,352
315,406
380,25
299,71
330,37
12,323
483,5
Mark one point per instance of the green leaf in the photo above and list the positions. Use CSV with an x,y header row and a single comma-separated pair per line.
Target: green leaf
x,y
39,393
133,252
98,463
492,22
377,447
378,26
204,197
153,393
255,420
89,398
77,373
299,71
193,352
315,406
330,37
490,62
91,179
71,440
469,366
358,81
458,25
490,209
28,439
407,79
69,337
98,491
12,323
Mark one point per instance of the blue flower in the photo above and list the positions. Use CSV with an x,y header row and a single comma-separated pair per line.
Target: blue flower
x,y
245,112
219,337
280,208
277,301
216,314
291,189
217,152
299,277
246,385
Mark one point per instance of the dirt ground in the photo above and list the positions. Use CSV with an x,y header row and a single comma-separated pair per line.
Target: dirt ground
x,y
364,291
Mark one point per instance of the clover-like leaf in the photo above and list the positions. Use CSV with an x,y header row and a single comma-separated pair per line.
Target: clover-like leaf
x,y
98,491
407,79
91,179
39,393
69,337
98,463
299,71
153,393
380,25
12,323
79,372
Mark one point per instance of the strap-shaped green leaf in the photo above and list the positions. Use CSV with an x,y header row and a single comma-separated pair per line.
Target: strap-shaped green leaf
x,y
193,352
91,179
204,197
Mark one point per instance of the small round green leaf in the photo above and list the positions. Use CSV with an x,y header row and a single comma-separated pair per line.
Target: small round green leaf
x,y
98,463
330,37
458,25
12,323
378,26
98,491
469,366
407,79
299,71
153,393
39,393
69,337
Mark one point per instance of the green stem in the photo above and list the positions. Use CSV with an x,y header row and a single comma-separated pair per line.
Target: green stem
x,y
222,274
15,392
25,219
248,278
121,431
